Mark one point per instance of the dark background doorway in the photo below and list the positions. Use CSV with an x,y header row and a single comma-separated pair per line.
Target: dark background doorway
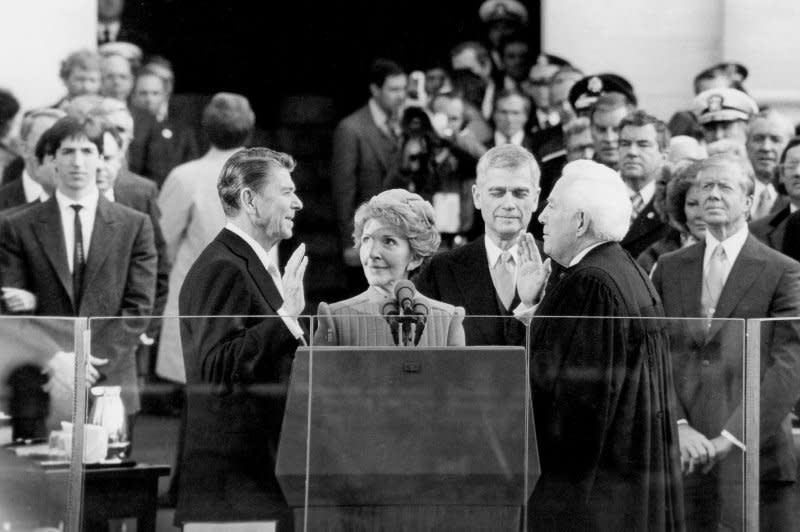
x,y
267,49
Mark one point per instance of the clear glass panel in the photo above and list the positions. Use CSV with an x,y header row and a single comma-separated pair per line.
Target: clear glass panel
x,y
708,369
224,448
432,436
773,391
39,474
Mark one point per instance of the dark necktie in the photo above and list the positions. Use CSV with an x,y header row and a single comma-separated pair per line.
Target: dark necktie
x,y
78,257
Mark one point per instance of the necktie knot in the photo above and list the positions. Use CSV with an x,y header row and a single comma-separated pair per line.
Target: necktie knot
x,y
76,207
713,281
506,260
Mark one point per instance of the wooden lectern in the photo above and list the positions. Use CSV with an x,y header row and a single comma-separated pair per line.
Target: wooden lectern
x,y
395,439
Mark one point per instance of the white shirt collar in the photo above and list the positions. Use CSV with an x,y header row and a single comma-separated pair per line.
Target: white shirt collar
x,y
379,116
732,245
31,188
260,252
647,192
88,202
493,252
109,194
579,257
516,139
113,29
793,207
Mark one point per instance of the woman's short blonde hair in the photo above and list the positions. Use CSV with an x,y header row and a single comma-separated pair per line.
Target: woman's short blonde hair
x,y
407,213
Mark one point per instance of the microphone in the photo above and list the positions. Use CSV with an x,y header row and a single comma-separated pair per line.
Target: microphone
x,y
404,292
421,311
390,314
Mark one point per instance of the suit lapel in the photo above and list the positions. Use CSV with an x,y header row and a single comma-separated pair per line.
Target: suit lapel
x,y
261,277
376,138
100,245
476,286
777,229
691,286
50,234
743,274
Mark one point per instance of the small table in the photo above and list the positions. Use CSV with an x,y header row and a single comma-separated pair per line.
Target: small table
x,y
113,493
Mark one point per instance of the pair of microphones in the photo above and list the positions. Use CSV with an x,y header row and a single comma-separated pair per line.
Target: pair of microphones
x,y
406,314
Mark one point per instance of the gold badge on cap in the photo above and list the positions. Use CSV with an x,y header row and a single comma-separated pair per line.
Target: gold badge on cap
x,y
595,84
715,103
166,133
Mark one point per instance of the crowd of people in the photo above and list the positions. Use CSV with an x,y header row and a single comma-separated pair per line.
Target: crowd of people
x,y
502,184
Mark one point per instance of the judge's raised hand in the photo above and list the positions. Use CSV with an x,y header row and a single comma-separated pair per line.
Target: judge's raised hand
x,y
294,298
532,273
696,449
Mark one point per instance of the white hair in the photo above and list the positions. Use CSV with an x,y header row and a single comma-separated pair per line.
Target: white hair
x,y
600,193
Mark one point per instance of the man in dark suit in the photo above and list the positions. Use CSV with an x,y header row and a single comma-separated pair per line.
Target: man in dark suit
x,y
732,275
81,255
511,112
112,26
237,366
172,142
601,381
483,276
122,186
643,144
34,182
364,147
771,229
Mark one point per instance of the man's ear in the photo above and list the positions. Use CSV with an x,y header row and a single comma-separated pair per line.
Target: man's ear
x,y
583,222
374,90
476,196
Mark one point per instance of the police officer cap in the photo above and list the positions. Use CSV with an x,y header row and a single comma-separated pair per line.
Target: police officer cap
x,y
723,105
586,91
494,10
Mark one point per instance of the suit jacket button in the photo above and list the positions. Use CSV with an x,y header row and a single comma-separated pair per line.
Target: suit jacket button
x,y
706,362
659,414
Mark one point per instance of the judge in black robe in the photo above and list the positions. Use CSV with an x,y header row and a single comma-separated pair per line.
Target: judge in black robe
x,y
600,374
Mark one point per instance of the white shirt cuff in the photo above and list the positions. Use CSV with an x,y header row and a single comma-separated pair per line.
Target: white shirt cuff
x,y
730,437
682,421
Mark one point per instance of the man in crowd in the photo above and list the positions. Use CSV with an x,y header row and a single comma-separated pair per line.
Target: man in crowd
x,y
732,275
482,276
511,112
774,229
192,214
120,185
172,142
503,18
364,145
601,381
721,75
111,27
515,59
81,255
643,144
80,72
116,77
723,114
34,183
606,115
237,365
537,87
473,56
768,133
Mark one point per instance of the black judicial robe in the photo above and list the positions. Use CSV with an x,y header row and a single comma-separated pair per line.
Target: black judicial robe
x,y
602,401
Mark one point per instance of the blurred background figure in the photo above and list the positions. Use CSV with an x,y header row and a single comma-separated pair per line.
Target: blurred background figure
x,y
515,60
768,133
116,77
723,114
112,26
9,107
172,142
537,87
502,18
80,72
682,211
474,57
684,147
34,181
